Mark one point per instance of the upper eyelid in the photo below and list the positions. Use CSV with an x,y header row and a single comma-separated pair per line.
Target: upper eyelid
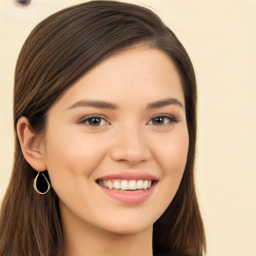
x,y
92,116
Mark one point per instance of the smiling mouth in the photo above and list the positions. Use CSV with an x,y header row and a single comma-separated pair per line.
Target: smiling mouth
x,y
126,185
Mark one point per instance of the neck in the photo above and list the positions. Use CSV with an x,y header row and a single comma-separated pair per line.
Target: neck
x,y
83,239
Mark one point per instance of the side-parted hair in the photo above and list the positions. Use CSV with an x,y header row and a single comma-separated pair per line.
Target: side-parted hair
x,y
58,51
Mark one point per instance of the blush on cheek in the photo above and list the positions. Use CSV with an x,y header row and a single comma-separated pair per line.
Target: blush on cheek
x,y
74,153
175,155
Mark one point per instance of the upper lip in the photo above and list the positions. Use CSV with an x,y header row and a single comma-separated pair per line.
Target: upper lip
x,y
129,176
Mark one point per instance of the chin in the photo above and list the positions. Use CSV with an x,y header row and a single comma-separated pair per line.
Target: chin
x,y
129,230
129,226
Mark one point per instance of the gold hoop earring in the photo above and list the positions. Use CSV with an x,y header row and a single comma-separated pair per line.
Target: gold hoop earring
x,y
35,187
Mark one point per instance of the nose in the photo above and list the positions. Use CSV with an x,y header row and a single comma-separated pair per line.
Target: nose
x,y
130,146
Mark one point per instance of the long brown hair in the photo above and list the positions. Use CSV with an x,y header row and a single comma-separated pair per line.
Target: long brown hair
x,y
58,52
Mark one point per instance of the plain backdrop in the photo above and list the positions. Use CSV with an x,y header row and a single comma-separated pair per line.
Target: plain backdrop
x,y
220,37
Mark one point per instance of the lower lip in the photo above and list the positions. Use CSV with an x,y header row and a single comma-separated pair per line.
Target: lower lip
x,y
132,197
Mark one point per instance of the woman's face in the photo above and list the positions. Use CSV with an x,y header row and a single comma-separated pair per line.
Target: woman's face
x,y
122,124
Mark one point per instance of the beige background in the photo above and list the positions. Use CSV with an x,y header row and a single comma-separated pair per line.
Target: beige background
x,y
220,37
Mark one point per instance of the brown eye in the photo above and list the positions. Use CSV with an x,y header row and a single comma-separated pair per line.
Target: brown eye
x,y
158,120
162,120
93,121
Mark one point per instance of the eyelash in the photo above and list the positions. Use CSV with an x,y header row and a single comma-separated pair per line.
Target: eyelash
x,y
171,118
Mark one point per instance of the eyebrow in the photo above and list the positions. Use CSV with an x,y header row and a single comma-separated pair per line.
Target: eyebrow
x,y
164,102
112,106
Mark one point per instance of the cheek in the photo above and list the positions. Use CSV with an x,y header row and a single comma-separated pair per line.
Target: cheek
x,y
173,153
172,157
70,155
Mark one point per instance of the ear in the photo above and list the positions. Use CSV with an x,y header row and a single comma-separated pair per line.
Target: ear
x,y
31,145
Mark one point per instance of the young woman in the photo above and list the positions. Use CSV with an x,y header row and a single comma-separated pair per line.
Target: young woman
x,y
105,122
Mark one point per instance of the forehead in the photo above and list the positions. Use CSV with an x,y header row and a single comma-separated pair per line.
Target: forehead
x,y
136,74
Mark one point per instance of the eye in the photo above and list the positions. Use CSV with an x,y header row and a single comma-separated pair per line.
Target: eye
x,y
93,121
162,120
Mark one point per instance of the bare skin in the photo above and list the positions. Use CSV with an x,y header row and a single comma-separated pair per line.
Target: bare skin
x,y
143,131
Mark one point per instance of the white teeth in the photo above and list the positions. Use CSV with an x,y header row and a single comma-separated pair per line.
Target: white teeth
x,y
139,184
110,184
126,184
132,185
146,184
117,184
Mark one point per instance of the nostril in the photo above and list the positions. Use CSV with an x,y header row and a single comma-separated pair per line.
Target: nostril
x,y
23,3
